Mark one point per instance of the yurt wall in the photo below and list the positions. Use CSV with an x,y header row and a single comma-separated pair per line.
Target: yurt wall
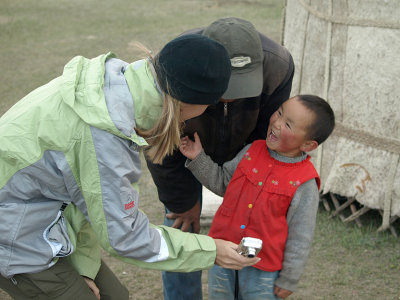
x,y
347,52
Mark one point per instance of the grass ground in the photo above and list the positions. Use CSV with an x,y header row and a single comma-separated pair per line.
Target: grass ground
x,y
38,37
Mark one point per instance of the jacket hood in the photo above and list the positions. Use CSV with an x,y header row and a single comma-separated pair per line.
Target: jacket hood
x,y
147,95
81,89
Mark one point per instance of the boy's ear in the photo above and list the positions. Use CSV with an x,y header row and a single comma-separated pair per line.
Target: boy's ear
x,y
309,146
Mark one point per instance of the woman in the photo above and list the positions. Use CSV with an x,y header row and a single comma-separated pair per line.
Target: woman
x,y
74,144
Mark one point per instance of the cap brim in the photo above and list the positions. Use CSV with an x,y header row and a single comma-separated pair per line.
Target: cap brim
x,y
245,85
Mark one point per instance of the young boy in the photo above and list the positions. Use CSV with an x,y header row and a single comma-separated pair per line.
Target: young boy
x,y
271,193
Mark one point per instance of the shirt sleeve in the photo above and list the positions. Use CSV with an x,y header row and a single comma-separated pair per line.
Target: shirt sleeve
x,y
187,252
301,220
122,229
214,177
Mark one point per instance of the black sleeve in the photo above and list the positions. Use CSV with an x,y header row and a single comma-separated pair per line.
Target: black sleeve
x,y
270,103
177,188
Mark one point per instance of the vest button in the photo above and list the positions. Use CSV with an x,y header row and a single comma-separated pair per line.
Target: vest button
x,y
242,227
260,183
250,205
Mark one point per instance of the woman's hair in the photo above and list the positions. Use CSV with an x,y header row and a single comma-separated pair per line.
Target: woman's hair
x,y
165,135
324,121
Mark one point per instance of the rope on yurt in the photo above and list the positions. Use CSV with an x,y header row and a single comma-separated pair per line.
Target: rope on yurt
x,y
348,21
379,143
366,138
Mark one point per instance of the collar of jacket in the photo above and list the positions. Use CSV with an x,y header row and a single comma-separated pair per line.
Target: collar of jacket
x,y
147,97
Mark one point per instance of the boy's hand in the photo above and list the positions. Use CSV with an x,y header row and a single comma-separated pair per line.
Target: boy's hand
x,y
281,293
189,148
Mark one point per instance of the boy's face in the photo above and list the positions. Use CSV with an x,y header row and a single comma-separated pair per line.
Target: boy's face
x,y
288,128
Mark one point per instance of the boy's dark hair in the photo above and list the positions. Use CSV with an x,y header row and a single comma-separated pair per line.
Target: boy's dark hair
x,y
324,121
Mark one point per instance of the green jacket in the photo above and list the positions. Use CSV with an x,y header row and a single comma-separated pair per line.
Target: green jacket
x,y
72,142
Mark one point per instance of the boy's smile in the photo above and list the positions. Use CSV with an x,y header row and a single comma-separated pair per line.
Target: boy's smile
x,y
288,128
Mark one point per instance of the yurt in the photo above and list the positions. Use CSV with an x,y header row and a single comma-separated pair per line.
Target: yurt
x,y
346,51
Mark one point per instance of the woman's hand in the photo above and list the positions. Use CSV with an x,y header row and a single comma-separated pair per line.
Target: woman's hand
x,y
228,258
92,286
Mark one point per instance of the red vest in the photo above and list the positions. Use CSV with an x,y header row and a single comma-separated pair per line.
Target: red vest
x,y
257,200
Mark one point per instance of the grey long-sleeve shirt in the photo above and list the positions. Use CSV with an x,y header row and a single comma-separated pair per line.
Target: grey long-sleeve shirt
x,y
301,215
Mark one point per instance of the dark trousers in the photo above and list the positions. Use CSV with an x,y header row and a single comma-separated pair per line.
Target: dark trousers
x,y
62,282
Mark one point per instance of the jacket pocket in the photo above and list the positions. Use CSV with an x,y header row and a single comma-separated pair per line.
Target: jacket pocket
x,y
56,235
278,201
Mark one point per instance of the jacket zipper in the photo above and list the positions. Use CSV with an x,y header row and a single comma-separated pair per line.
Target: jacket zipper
x,y
224,126
224,121
222,132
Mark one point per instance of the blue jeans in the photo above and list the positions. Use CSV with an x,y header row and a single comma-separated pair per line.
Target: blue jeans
x,y
182,286
254,284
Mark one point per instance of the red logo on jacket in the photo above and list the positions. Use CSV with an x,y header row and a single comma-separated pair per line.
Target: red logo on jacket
x,y
129,205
